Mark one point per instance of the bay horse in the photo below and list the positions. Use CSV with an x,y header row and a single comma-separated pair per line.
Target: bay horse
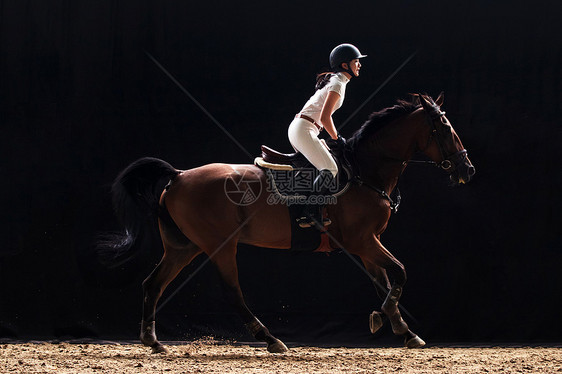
x,y
196,215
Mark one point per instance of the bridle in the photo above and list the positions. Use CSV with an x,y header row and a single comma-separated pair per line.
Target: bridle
x,y
449,164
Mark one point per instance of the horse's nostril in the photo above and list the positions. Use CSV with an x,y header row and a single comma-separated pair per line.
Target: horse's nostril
x,y
471,171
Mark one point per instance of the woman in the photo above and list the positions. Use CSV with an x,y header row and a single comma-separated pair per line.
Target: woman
x,y
317,115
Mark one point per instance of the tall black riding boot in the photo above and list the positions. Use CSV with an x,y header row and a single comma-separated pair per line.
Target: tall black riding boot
x,y
312,213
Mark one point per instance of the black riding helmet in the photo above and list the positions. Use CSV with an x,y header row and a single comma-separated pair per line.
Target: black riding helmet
x,y
344,53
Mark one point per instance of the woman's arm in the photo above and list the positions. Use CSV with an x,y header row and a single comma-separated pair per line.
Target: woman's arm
x,y
326,114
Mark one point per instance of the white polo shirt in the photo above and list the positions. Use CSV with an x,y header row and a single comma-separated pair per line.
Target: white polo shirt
x,y
313,106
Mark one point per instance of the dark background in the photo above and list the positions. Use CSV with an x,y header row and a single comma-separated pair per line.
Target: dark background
x,y
80,100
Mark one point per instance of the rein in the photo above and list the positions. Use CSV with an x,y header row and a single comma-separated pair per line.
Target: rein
x,y
447,162
356,178
393,204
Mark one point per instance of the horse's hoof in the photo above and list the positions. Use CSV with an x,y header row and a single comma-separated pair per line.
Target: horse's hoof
x,y
415,342
375,322
159,348
148,334
277,347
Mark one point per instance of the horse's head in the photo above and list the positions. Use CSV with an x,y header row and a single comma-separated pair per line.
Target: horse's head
x,y
442,143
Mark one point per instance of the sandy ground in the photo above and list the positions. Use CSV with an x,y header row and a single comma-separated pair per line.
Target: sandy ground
x,y
207,356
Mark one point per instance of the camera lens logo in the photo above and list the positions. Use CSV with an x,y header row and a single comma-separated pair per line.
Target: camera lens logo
x,y
243,188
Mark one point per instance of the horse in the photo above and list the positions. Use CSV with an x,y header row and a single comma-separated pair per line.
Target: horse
x,y
195,214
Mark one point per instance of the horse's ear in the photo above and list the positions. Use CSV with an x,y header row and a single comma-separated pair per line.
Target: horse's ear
x,y
424,102
440,99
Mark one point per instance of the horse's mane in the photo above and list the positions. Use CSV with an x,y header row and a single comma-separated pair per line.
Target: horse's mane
x,y
380,119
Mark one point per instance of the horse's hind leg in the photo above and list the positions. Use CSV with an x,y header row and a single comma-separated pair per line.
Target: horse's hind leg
x,y
179,252
225,261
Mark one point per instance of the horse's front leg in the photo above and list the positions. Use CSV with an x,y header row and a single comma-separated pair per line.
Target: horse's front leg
x,y
382,287
375,256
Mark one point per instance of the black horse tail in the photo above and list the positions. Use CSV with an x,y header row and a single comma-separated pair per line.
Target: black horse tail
x,y
135,194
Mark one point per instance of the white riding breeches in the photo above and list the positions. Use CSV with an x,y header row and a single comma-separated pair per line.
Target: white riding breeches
x,y
303,136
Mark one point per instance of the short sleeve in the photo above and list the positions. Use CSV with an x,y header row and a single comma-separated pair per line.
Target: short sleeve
x,y
335,85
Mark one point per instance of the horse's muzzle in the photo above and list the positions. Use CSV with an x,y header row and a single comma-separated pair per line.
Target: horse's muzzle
x,y
463,173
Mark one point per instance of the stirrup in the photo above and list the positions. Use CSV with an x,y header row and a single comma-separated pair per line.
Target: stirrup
x,y
305,222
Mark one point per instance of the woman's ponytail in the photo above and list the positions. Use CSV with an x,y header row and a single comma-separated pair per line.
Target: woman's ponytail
x,y
322,79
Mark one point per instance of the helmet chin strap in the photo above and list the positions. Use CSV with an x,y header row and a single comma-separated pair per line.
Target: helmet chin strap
x,y
348,70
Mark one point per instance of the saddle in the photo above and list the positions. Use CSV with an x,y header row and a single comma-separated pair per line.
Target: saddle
x,y
290,176
297,165
275,159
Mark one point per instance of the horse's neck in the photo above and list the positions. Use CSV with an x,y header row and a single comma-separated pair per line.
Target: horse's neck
x,y
382,159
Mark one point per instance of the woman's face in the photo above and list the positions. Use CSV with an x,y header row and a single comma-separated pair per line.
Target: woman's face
x,y
355,66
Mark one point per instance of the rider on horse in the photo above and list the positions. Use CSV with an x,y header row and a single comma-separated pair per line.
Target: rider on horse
x,y
317,115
